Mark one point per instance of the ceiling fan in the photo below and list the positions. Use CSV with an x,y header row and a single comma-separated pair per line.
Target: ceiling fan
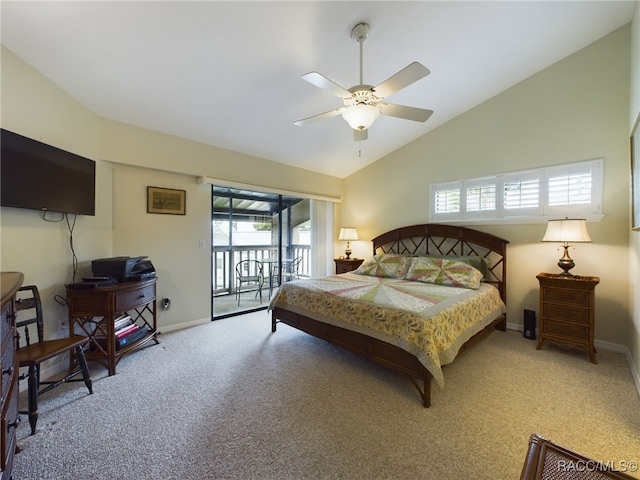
x,y
363,103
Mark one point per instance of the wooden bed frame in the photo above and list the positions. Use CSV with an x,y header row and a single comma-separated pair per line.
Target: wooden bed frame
x,y
427,239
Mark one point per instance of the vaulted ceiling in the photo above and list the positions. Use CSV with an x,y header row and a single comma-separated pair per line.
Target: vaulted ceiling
x,y
228,73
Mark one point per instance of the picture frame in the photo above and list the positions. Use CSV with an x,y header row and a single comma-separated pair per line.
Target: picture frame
x,y
168,201
635,175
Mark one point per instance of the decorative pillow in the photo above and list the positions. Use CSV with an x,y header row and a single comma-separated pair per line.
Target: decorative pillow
x,y
386,265
477,262
441,271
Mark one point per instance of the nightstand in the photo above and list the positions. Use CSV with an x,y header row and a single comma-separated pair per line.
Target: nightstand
x,y
567,311
344,265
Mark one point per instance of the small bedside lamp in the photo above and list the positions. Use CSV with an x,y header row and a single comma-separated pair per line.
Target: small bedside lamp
x,y
567,231
348,233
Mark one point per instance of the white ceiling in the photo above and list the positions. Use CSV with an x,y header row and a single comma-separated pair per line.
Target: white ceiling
x,y
228,73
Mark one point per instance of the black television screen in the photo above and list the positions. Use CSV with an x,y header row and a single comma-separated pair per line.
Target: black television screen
x,y
41,177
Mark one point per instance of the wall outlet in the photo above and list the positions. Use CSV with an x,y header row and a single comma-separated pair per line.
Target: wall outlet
x,y
63,327
166,303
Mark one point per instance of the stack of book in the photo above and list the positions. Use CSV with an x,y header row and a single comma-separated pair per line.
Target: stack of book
x,y
126,332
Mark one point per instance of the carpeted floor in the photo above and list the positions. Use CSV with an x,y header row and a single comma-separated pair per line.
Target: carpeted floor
x,y
231,400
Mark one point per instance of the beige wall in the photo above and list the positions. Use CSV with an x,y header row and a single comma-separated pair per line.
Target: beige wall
x,y
574,110
634,236
172,242
131,145
35,107
128,160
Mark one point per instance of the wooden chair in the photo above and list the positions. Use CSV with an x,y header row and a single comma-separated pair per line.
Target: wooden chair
x,y
252,272
547,461
31,355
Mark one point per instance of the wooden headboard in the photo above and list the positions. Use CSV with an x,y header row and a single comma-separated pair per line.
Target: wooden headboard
x,y
449,240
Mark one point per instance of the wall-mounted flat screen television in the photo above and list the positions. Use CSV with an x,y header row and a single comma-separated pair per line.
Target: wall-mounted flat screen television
x,y
41,177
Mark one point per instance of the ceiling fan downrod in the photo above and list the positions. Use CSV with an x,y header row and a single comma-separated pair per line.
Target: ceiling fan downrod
x,y
360,32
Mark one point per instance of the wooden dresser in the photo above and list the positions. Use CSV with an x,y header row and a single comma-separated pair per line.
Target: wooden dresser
x,y
567,311
11,282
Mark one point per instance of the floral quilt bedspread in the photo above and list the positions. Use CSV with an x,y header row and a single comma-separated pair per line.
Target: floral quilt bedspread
x,y
430,321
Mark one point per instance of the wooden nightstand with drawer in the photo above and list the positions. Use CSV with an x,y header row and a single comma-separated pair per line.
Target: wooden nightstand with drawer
x,y
567,311
344,265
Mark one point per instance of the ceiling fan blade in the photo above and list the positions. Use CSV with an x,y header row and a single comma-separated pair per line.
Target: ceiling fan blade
x,y
405,77
359,135
323,82
402,111
321,116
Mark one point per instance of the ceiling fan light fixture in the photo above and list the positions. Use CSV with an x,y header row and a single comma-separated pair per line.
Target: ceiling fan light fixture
x,y
360,116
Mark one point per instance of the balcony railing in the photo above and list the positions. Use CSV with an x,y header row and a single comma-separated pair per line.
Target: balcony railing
x,y
226,258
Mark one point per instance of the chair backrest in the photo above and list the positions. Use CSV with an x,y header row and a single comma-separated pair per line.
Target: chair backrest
x,y
249,268
29,312
294,265
546,460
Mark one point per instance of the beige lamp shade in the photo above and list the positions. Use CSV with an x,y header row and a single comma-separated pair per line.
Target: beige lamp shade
x,y
348,233
567,230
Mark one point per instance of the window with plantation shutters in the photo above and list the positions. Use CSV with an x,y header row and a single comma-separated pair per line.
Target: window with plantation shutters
x,y
561,190
446,200
570,189
481,197
574,187
520,194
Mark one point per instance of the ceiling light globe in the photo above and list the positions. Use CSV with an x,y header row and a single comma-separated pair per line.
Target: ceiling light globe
x,y
361,117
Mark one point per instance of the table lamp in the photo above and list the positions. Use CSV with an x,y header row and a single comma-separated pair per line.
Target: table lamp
x,y
567,231
348,234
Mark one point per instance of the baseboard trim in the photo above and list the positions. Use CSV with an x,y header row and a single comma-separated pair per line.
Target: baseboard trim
x,y
181,326
615,347
603,345
515,326
634,371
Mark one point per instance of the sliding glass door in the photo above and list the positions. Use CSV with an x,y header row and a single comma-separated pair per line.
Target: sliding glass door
x,y
259,240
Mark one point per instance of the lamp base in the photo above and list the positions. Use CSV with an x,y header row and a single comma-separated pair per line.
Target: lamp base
x,y
566,262
347,252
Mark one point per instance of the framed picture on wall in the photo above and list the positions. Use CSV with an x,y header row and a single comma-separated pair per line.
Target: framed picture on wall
x,y
635,175
166,200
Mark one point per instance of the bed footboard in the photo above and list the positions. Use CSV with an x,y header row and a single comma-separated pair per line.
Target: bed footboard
x,y
377,351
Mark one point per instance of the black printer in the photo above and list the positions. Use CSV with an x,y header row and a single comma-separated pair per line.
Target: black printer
x,y
123,269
